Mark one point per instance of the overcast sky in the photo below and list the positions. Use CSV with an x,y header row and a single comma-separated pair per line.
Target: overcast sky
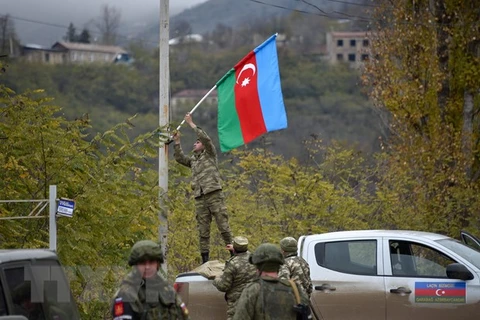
x,y
80,9
79,12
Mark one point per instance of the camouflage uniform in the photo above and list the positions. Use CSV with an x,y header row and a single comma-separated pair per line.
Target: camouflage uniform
x,y
268,298
295,267
207,190
147,299
237,273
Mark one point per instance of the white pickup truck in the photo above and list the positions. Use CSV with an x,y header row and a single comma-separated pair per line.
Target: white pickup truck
x,y
373,275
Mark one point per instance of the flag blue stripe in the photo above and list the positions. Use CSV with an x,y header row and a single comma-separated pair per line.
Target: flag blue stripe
x,y
440,285
269,86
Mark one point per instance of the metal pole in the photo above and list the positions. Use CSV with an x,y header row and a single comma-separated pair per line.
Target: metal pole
x,y
164,103
52,195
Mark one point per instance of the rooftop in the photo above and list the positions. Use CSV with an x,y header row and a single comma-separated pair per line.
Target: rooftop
x,y
89,47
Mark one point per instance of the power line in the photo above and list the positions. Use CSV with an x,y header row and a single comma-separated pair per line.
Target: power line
x,y
295,10
312,5
66,27
321,14
357,18
355,4
353,17
38,22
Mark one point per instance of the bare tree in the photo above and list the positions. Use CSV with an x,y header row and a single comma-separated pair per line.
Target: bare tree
x,y
108,24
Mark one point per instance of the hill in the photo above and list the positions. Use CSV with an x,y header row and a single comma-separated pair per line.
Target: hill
x,y
236,14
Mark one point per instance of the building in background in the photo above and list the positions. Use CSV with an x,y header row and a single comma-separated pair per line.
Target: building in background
x,y
73,52
39,54
351,47
193,96
184,100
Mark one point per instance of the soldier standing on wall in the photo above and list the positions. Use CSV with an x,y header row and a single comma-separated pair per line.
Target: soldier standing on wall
x,y
207,188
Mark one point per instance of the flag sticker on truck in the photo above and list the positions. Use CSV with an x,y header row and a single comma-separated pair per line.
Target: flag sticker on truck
x,y
440,292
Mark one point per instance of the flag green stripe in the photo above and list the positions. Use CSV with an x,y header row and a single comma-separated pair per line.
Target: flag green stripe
x,y
229,130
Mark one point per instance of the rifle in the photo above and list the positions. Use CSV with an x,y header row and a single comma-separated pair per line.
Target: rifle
x,y
302,310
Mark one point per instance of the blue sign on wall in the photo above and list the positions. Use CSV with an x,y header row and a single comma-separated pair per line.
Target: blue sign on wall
x,y
65,207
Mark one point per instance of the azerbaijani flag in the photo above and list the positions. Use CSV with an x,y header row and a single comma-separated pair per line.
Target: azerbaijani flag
x,y
250,100
440,292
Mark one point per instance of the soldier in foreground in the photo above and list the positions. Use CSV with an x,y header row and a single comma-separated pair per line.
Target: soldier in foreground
x,y
207,188
237,273
144,294
295,267
268,297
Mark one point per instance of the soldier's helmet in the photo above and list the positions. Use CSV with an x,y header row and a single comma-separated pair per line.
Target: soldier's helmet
x,y
267,255
145,250
240,244
288,244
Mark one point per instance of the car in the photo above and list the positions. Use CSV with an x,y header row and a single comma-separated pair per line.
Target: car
x,y
392,274
33,283
374,275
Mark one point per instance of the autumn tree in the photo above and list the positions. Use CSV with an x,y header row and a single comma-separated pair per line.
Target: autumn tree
x,y
109,175
425,71
270,197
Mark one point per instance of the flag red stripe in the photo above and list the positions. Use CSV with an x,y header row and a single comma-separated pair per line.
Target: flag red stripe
x,y
433,292
247,101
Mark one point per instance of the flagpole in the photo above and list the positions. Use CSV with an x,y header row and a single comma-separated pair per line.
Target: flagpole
x,y
196,106
163,106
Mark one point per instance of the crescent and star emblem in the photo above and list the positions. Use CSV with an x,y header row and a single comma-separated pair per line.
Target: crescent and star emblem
x,y
439,292
246,81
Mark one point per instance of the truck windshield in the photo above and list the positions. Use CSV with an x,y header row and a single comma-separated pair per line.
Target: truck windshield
x,y
469,254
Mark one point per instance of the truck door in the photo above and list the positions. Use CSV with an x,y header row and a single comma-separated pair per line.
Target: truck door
x,y
417,286
354,289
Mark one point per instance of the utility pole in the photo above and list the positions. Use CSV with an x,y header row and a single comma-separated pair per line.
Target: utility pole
x,y
164,104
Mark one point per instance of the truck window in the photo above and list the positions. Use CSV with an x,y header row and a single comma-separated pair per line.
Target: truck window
x,y
354,257
24,297
412,259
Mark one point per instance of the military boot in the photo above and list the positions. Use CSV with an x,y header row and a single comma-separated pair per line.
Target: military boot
x,y
204,257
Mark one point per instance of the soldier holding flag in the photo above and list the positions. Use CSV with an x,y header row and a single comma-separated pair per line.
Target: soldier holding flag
x,y
207,188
